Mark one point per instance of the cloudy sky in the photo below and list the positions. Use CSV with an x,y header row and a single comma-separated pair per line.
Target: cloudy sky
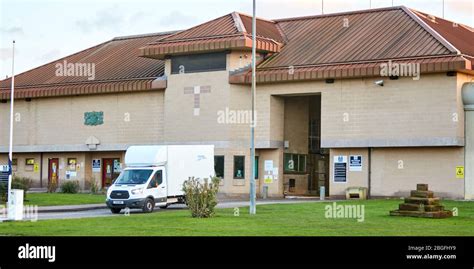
x,y
46,30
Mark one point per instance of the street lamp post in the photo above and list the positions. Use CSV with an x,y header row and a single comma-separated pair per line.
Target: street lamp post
x,y
253,209
10,150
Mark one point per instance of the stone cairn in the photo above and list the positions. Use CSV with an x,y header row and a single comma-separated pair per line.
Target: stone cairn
x,y
423,204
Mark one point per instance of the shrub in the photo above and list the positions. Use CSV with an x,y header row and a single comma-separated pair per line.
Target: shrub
x,y
201,198
52,186
94,186
21,183
70,187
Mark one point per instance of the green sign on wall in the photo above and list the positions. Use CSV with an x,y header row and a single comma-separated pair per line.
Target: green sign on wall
x,y
93,118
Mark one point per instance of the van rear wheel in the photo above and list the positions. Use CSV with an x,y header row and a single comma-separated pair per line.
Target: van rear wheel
x,y
148,206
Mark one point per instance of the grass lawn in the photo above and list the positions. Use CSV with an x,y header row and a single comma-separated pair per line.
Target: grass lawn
x,y
303,219
49,199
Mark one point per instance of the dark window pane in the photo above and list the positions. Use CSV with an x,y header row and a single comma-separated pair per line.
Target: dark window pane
x,y
239,166
302,163
219,166
198,63
159,176
256,166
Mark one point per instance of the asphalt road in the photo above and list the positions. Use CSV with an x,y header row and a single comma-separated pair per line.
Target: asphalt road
x,y
107,213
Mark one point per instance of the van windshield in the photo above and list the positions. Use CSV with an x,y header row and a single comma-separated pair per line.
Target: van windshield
x,y
134,176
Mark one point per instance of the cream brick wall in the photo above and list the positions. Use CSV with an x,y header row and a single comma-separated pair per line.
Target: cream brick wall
x,y
60,121
434,166
402,113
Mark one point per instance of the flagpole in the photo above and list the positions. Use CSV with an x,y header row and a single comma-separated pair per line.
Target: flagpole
x,y
253,208
10,150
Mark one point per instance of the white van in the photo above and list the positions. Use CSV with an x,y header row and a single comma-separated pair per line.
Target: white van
x,y
154,175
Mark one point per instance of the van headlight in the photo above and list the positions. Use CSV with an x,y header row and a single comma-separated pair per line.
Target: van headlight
x,y
137,191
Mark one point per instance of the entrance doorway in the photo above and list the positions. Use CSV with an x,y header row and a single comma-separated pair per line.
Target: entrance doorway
x,y
318,158
110,171
53,171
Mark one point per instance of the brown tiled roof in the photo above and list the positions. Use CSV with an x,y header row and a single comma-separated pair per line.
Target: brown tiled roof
x,y
317,46
118,67
459,35
350,70
232,31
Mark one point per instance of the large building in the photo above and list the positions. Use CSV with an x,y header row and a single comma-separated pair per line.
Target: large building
x,y
370,98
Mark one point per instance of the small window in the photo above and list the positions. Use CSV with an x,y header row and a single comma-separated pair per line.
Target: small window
x,y
239,167
156,180
219,166
205,62
294,163
159,177
14,162
256,167
29,161
291,185
153,183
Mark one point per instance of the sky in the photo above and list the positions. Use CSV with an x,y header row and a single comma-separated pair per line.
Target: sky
x,y
46,30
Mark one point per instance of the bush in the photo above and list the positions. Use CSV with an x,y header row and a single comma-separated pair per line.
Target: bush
x,y
70,187
21,183
94,186
201,198
52,186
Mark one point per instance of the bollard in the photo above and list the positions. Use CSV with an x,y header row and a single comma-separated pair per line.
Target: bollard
x,y
15,205
322,192
265,192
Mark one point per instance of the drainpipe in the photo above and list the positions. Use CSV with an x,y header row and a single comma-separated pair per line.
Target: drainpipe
x,y
369,172
41,170
468,100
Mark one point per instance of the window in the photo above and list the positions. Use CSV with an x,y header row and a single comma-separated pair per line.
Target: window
x,y
219,166
295,163
239,167
159,177
134,176
256,167
29,161
193,63
291,185
156,180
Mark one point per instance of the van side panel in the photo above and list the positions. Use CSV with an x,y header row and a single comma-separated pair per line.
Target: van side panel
x,y
188,161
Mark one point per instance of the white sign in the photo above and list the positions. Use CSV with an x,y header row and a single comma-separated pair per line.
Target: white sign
x,y
340,169
355,163
268,166
4,168
96,165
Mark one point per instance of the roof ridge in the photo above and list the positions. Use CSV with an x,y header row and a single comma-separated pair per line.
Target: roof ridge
x,y
144,35
238,22
338,14
258,18
469,28
431,31
201,24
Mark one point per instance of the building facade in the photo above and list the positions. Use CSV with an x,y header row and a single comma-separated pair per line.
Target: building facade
x,y
327,114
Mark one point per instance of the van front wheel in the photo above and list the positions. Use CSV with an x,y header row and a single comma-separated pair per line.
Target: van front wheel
x,y
148,206
115,210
